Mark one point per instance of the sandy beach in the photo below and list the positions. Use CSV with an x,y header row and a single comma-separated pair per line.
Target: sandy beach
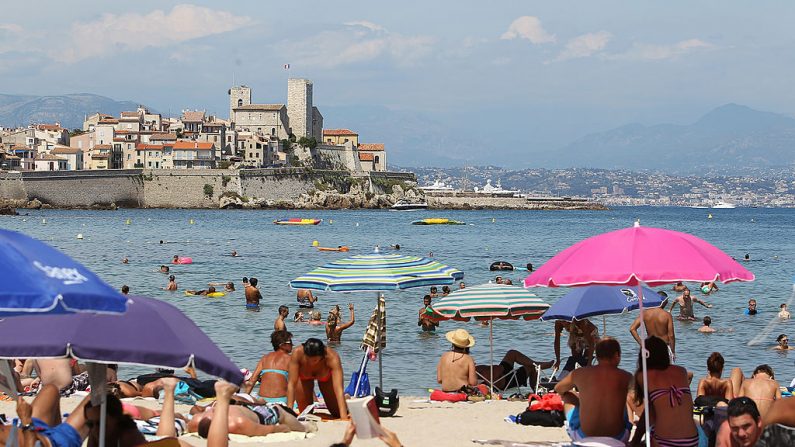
x,y
417,423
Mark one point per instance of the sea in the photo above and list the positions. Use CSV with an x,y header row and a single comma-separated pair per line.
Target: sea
x,y
277,254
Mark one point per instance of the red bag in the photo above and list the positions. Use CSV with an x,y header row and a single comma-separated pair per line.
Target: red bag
x,y
547,402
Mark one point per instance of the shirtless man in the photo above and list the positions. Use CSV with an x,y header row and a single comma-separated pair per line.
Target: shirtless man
x,y
783,343
685,302
456,368
279,325
599,406
305,299
253,296
248,420
658,323
172,283
713,389
762,387
272,370
63,373
424,320
707,329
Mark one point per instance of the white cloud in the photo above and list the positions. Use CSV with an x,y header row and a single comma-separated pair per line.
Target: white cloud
x,y
660,52
356,42
134,31
528,27
10,27
585,45
366,24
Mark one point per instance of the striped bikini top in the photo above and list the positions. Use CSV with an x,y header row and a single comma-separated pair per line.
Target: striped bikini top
x,y
674,394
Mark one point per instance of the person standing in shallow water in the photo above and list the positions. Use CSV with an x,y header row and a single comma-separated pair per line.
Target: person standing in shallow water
x,y
253,296
685,302
279,324
424,320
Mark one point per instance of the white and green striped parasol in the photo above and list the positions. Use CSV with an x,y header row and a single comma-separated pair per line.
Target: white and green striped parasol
x,y
488,301
377,272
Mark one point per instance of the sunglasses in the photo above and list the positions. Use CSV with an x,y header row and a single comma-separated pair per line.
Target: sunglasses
x,y
785,340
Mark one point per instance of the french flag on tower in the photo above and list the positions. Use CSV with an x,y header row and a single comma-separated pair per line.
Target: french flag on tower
x,y
286,66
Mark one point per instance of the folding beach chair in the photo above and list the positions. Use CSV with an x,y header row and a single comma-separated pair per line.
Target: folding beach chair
x,y
545,383
510,378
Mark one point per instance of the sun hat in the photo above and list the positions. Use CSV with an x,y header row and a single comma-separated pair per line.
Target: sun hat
x,y
460,338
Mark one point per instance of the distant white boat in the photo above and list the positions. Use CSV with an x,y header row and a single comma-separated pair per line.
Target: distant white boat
x,y
437,186
724,205
496,190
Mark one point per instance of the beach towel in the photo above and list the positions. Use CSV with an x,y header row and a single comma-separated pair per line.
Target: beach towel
x,y
242,439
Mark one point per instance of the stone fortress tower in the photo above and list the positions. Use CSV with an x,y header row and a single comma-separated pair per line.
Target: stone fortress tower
x,y
299,107
238,96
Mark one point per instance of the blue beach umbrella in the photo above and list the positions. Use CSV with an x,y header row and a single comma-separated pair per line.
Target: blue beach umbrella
x,y
38,279
585,302
378,272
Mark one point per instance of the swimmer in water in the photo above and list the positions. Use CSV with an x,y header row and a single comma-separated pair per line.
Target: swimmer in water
x,y
125,290
783,313
461,285
201,292
783,343
172,284
529,267
396,246
747,257
124,260
707,329
234,254
298,317
751,310
175,260
228,286
164,269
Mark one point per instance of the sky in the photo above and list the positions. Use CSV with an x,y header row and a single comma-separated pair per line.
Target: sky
x,y
436,81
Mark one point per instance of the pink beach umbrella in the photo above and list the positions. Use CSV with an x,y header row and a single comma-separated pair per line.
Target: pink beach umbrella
x,y
636,256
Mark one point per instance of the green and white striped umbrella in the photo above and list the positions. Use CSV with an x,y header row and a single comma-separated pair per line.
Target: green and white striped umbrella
x,y
377,272
489,301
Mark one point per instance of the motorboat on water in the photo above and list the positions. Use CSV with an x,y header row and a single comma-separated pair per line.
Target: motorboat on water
x,y
405,204
437,221
724,205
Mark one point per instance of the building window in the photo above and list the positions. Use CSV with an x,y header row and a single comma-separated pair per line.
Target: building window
x,y
346,140
273,131
376,160
240,103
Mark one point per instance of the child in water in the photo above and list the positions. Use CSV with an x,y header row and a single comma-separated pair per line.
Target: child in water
x,y
783,313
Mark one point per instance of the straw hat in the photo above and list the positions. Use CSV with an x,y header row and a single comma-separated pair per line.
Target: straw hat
x,y
460,338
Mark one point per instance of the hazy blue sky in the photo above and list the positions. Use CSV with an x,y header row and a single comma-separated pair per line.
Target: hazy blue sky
x,y
526,75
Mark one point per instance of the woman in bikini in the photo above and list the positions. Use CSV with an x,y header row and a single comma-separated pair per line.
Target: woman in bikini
x,y
762,387
310,362
333,327
271,370
583,336
670,402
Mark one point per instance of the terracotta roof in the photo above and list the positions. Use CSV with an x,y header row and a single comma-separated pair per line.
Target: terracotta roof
x,y
49,127
269,107
163,136
108,121
48,157
192,145
365,156
102,146
339,132
149,147
371,146
193,116
65,150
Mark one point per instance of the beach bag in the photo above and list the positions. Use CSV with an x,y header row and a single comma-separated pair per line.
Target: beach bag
x,y
541,418
547,402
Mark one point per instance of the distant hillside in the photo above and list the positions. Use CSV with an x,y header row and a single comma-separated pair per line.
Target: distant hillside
x,y
731,137
69,110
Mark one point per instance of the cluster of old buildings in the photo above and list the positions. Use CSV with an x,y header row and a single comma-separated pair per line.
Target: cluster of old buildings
x,y
254,136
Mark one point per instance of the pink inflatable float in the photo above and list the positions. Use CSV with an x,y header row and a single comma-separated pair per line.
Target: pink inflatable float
x,y
182,260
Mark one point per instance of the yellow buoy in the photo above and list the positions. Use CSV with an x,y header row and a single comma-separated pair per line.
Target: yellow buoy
x,y
128,221
709,216
315,243
493,220
191,222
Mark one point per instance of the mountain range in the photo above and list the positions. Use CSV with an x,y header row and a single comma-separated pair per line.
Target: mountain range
x,y
730,138
69,110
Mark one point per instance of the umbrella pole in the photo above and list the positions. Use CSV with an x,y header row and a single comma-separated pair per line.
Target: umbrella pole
x,y
643,366
491,356
378,342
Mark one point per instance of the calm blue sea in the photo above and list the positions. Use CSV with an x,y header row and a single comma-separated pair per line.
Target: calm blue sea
x,y
276,254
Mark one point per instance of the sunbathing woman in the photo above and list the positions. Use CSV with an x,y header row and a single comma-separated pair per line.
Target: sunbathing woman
x,y
271,371
670,402
310,362
333,327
